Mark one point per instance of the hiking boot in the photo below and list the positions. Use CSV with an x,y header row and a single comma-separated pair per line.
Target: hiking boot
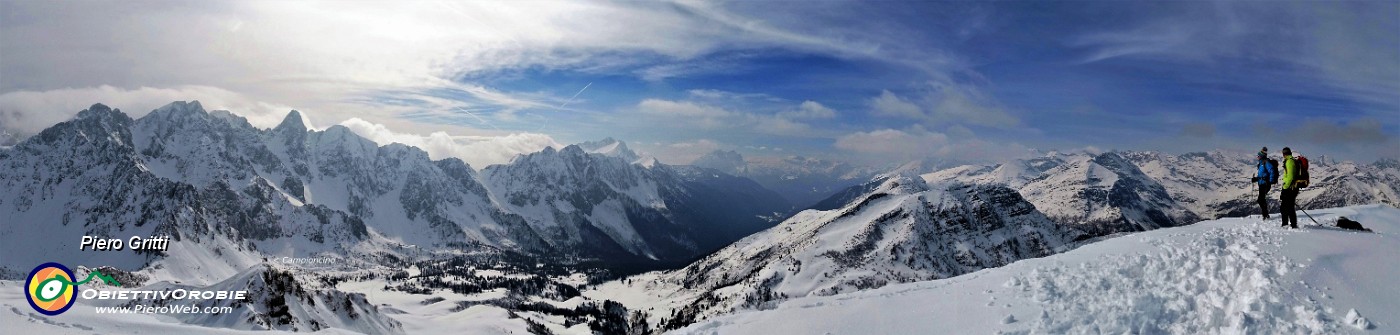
x,y
1294,226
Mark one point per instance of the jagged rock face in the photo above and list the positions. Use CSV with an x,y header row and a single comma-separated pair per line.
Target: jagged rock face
x,y
396,189
104,174
276,300
903,230
202,176
604,204
579,201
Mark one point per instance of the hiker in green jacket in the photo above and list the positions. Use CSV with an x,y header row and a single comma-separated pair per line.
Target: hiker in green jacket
x,y
1288,200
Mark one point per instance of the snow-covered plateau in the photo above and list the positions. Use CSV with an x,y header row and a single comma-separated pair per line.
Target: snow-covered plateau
x,y
1224,276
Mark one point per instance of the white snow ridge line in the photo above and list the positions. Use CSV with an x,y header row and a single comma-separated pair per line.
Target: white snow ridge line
x,y
1226,276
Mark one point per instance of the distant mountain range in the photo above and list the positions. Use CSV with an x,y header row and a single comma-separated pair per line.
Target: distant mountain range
x,y
803,181
219,185
1109,192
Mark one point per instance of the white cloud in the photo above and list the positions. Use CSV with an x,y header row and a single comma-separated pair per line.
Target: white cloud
x,y
948,103
889,104
28,112
479,151
890,141
886,145
809,110
954,103
678,153
722,95
684,114
778,125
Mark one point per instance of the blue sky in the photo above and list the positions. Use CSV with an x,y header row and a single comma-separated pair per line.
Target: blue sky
x,y
873,82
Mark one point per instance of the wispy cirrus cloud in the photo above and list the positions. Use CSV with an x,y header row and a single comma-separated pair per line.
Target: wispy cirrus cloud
x,y
1348,46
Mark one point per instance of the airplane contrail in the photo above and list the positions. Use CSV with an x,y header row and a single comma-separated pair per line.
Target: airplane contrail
x,y
571,99
478,118
561,106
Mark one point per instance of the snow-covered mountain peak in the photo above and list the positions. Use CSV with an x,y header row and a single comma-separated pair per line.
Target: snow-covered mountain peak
x,y
340,136
647,162
96,110
99,125
610,147
292,123
190,119
902,183
403,151
572,150
181,107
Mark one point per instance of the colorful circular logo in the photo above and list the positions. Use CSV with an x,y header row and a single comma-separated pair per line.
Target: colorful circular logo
x,y
50,289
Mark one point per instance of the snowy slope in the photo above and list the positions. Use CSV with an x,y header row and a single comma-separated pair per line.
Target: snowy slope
x,y
1235,275
903,231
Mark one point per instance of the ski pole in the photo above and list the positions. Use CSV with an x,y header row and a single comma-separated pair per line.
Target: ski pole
x,y
1309,216
1300,209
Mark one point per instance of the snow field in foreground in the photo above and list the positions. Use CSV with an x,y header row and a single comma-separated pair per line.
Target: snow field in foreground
x,y
1226,276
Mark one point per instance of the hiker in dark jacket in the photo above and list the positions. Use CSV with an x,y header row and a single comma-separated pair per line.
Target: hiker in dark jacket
x,y
1265,177
1288,200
